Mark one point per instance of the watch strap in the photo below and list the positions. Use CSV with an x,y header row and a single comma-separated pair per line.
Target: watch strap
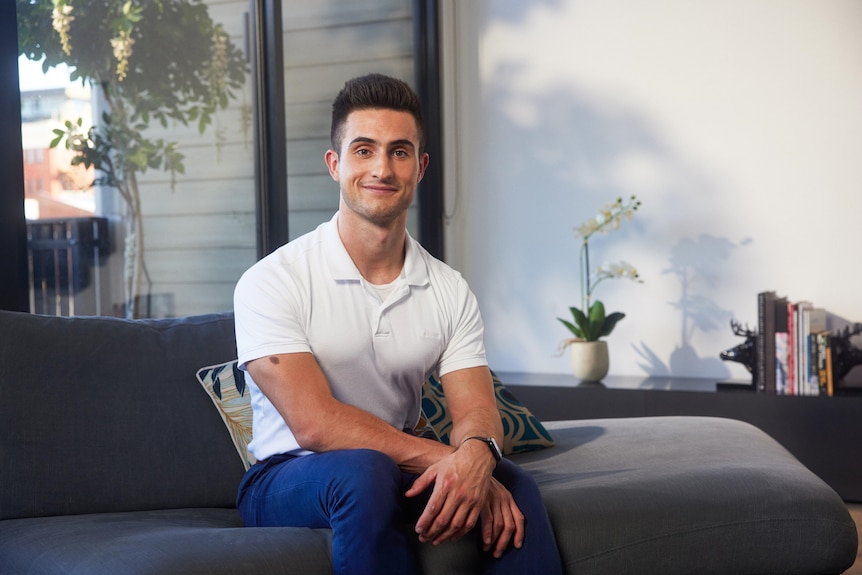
x,y
490,442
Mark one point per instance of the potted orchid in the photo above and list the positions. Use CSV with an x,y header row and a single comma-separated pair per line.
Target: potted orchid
x,y
590,322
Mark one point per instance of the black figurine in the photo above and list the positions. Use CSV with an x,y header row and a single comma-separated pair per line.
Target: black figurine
x,y
845,356
746,352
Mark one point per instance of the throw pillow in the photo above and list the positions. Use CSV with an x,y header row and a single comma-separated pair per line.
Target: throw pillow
x,y
521,429
225,384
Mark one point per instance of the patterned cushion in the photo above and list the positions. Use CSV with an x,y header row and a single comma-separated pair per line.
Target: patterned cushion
x,y
521,429
225,384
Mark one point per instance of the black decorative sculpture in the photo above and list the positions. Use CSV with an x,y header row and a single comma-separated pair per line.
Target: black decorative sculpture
x,y
746,352
845,356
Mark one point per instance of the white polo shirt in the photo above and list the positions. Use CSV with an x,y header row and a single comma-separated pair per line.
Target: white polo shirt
x,y
308,296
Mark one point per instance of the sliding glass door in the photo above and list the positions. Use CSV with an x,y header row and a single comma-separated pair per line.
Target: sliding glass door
x,y
144,125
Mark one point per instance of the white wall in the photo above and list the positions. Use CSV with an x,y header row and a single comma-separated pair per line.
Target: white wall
x,y
738,123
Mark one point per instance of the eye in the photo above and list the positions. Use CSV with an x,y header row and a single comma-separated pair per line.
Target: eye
x,y
401,153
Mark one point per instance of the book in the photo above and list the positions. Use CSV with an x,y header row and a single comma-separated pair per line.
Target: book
x,y
814,360
791,349
764,374
822,338
830,386
781,355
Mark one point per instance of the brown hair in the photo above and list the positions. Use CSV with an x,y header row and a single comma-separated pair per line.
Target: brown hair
x,y
374,91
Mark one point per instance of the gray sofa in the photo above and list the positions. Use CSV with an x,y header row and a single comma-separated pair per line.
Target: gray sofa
x,y
115,460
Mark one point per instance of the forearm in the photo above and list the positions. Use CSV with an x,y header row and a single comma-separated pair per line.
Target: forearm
x,y
471,401
343,426
479,422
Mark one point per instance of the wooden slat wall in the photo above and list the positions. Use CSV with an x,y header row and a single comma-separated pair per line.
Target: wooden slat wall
x,y
200,234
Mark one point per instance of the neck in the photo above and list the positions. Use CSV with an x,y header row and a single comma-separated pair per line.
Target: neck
x,y
378,252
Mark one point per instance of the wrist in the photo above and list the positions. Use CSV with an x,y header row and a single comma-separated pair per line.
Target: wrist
x,y
492,447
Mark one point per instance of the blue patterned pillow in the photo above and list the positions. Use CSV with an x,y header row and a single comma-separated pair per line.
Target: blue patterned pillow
x,y
521,429
225,384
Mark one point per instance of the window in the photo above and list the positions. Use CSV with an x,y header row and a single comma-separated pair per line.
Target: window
x,y
179,246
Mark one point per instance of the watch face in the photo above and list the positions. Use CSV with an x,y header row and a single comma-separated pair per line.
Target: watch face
x,y
498,455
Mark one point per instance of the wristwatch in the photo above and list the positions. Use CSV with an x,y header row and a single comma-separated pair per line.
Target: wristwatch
x,y
492,445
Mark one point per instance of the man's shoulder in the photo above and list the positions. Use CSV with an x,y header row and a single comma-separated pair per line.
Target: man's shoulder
x,y
291,262
306,246
437,270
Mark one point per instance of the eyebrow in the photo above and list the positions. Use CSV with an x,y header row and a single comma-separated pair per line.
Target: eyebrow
x,y
394,143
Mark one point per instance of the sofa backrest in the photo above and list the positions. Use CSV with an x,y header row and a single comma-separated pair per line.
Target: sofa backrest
x,y
102,414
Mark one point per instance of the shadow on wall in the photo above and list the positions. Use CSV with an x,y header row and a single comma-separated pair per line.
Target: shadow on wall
x,y
697,265
566,155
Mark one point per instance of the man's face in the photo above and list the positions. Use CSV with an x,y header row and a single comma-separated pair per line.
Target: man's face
x,y
379,164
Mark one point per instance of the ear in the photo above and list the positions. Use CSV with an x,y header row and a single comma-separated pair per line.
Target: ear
x,y
423,164
331,159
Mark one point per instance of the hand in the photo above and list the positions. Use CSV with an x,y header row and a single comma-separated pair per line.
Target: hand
x,y
502,521
460,495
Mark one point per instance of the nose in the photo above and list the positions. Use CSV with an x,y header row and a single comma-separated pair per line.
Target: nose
x,y
382,168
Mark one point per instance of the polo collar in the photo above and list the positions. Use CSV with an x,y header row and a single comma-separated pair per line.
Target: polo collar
x,y
342,268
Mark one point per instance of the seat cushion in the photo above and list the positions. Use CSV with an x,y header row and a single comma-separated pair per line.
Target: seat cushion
x,y
187,542
686,495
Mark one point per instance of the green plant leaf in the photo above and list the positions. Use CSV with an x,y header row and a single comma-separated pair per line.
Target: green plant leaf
x,y
611,322
581,320
572,327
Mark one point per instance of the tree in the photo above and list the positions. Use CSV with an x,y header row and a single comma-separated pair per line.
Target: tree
x,y
151,60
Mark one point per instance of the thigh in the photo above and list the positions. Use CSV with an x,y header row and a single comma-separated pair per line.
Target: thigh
x,y
307,491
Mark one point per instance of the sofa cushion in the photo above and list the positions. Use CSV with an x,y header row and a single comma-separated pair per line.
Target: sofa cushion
x,y
225,384
682,495
188,542
522,431
101,414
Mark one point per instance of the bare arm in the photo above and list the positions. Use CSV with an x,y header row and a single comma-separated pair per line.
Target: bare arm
x,y
297,387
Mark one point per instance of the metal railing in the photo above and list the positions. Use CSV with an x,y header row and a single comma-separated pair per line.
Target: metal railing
x,y
64,257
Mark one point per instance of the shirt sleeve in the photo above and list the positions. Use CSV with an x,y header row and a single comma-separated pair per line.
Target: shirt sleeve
x,y
466,347
269,314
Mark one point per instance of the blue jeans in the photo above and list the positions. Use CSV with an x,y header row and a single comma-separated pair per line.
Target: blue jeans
x,y
359,494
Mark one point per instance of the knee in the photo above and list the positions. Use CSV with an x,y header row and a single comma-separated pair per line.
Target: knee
x,y
370,473
520,484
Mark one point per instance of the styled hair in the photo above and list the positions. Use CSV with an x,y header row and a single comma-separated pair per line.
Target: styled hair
x,y
374,91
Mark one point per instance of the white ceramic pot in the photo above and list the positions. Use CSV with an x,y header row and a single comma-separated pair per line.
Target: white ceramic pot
x,y
589,360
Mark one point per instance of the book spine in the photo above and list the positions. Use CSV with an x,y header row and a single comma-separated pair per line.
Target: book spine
x,y
814,363
765,372
822,344
781,356
779,345
805,350
791,349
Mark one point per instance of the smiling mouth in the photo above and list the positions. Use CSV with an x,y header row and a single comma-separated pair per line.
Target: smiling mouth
x,y
380,189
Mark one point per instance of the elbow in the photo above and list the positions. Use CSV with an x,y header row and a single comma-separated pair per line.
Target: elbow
x,y
309,437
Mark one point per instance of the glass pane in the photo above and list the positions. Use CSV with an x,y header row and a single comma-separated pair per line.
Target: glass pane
x,y
169,224
326,43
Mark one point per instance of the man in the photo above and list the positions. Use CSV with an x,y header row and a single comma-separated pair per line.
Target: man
x,y
338,330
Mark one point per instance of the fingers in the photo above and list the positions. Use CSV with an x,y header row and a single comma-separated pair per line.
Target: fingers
x,y
422,483
446,517
512,532
502,523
